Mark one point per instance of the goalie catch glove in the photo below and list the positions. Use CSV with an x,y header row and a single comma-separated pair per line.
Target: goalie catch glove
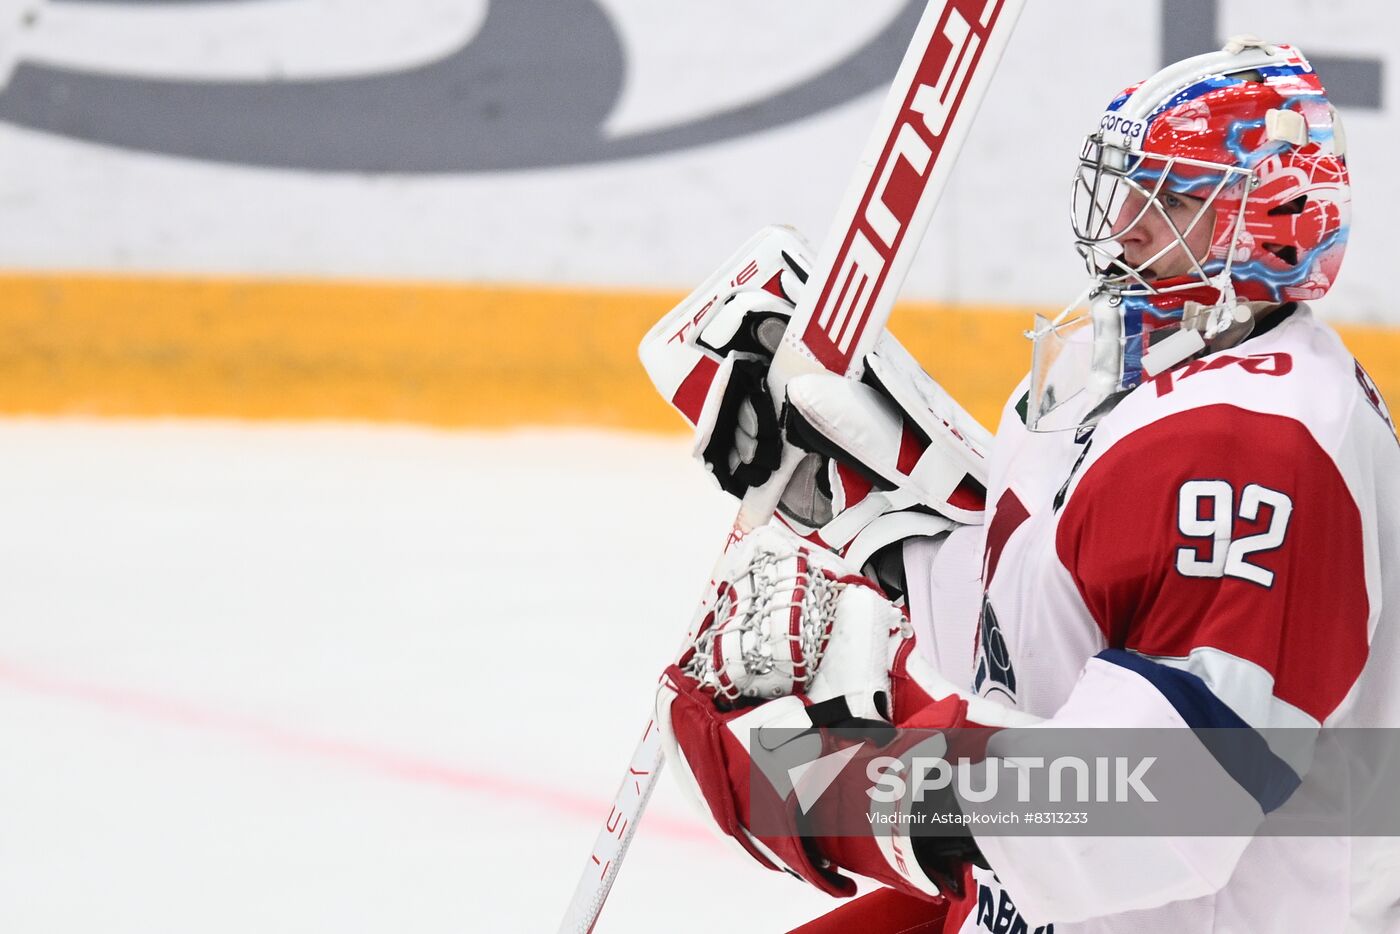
x,y
890,457
795,641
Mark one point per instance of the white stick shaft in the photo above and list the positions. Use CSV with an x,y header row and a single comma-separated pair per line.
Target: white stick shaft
x,y
847,300
615,836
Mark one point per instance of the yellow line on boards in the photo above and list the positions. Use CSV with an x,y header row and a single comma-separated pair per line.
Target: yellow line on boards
x,y
436,354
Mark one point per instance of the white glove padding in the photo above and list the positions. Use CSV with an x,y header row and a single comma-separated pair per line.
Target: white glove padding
x,y
709,356
894,456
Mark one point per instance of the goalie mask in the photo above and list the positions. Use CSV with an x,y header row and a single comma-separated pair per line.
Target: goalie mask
x,y
1208,193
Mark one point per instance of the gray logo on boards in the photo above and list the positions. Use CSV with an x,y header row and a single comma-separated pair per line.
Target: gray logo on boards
x,y
532,89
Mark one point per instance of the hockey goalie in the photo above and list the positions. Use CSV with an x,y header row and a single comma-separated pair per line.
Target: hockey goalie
x,y
1188,518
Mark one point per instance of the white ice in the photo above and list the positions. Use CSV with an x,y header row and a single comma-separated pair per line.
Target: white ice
x,y
349,679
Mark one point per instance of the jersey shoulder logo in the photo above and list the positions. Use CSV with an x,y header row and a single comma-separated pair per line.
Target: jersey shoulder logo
x,y
1373,395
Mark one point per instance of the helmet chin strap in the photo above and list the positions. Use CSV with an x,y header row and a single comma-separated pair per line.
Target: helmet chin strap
x,y
1213,327
1221,324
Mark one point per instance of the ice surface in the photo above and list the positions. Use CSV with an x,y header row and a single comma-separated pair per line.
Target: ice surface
x,y
344,679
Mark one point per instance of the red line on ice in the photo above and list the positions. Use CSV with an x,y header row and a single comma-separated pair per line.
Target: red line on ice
x,y
390,762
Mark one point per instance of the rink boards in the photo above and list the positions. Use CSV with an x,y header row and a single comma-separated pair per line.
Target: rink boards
x,y
445,355
467,213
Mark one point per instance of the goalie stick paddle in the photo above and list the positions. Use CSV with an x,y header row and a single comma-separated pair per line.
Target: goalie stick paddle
x,y
886,209
845,305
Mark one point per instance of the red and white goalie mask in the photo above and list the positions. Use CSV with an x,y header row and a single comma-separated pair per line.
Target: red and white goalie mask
x,y
1214,189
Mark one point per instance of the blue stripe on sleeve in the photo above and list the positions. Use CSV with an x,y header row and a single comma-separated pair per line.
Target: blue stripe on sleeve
x,y
1240,750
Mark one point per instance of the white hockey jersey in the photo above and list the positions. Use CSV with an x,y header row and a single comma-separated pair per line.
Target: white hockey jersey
x,y
1222,550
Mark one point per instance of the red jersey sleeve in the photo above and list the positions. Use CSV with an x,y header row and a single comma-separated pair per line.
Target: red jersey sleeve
x,y
1230,531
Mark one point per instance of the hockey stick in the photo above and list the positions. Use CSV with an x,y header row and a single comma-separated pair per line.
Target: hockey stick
x,y
845,304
